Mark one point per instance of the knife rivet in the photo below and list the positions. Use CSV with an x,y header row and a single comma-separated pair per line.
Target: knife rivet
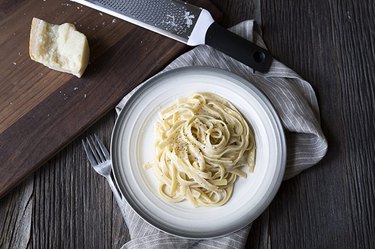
x,y
259,56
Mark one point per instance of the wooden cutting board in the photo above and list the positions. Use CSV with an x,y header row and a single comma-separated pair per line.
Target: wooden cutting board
x,y
42,110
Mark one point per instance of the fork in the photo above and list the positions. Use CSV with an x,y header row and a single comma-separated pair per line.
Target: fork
x,y
100,160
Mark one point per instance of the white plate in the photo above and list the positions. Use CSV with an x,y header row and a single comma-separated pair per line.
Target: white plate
x,y
132,146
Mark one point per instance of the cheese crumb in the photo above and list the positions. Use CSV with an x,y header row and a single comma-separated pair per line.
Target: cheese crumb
x,y
59,47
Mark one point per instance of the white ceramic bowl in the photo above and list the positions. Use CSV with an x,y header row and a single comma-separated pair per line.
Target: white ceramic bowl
x,y
132,146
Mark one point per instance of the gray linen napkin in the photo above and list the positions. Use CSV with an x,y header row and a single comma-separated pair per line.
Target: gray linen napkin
x,y
296,104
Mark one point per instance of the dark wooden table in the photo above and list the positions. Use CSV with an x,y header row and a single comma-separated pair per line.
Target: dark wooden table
x,y
332,205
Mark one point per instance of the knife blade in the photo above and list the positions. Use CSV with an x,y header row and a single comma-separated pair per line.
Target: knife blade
x,y
185,23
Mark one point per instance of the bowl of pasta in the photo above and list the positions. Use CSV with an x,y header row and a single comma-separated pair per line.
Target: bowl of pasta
x,y
198,152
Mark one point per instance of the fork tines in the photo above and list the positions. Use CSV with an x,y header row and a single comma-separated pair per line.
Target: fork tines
x,y
95,150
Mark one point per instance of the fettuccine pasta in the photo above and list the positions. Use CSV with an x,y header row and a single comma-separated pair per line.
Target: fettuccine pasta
x,y
202,144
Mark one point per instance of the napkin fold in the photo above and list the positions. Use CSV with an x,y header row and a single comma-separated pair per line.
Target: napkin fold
x,y
295,102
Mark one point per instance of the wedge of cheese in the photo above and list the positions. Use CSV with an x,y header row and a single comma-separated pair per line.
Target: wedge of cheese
x,y
59,47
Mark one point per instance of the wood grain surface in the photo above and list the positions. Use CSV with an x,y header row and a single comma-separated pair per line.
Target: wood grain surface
x,y
39,111
330,43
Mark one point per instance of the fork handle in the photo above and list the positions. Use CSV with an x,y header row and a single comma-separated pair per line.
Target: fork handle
x,y
117,196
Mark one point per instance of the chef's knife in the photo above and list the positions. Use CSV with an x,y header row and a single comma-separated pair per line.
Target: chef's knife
x,y
185,23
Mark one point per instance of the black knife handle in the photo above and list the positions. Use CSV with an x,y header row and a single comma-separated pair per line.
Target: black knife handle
x,y
238,48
